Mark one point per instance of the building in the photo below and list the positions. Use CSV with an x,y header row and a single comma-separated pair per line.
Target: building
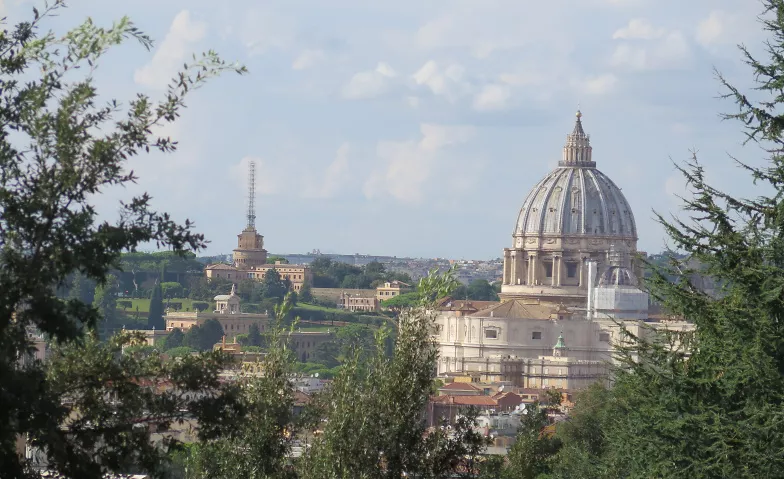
x,y
249,258
305,343
358,302
227,312
390,289
574,214
569,279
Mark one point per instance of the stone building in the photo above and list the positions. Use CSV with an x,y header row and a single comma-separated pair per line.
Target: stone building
x,y
249,258
574,228
358,302
569,217
227,313
390,289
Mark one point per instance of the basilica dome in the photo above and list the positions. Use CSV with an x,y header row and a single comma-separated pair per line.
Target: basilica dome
x,y
576,199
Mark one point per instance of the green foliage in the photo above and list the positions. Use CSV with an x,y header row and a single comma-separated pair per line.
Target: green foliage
x,y
274,259
254,335
105,300
272,286
306,292
531,456
200,305
155,312
82,289
401,301
477,290
174,339
171,289
336,274
374,425
180,351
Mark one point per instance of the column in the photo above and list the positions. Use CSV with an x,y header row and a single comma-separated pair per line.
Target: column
x,y
513,261
519,266
558,260
582,269
532,270
555,272
507,267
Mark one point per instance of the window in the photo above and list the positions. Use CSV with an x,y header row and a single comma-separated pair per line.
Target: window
x,y
604,337
548,269
546,382
571,269
546,370
491,333
536,335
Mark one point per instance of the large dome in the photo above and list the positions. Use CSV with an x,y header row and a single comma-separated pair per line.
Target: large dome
x,y
576,199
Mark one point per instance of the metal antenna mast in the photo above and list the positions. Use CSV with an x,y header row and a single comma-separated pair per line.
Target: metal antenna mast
x,y
252,195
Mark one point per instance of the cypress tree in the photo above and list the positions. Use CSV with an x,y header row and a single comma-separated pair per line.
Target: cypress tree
x,y
155,316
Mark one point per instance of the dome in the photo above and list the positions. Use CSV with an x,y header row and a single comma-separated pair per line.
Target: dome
x,y
617,276
576,198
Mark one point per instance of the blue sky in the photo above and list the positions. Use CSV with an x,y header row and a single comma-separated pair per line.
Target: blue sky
x,y
416,128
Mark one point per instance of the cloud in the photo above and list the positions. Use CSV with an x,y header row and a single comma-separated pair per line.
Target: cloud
x,y
408,165
308,59
669,52
598,85
169,56
639,29
448,82
369,84
334,178
493,97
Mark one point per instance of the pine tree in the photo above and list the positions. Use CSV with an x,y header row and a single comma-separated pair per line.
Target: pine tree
x,y
155,315
105,301
254,336
708,403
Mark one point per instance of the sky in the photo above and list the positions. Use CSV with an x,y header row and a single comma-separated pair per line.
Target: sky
x,y
417,128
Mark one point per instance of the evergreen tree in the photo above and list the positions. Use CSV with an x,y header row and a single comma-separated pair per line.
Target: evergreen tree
x,y
708,403
82,289
174,339
274,287
105,301
254,336
211,334
306,293
155,314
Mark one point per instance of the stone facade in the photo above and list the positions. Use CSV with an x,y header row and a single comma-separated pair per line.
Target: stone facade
x,y
390,289
357,302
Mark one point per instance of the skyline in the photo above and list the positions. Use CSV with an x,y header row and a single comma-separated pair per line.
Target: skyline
x,y
418,132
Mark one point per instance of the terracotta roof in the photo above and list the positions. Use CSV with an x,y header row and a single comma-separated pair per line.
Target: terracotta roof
x,y
515,309
221,266
465,400
460,387
300,398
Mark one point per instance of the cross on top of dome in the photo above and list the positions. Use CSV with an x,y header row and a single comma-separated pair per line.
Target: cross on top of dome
x,y
577,151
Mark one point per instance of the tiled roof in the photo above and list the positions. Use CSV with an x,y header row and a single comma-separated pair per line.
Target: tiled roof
x,y
465,400
515,309
221,266
451,304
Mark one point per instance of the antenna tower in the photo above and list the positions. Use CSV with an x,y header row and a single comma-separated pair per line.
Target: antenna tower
x,y
251,195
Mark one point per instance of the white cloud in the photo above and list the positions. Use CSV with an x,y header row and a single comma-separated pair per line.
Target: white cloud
x,y
448,82
408,165
412,101
262,30
598,85
527,78
308,59
493,97
670,52
334,178
639,29
169,56
369,84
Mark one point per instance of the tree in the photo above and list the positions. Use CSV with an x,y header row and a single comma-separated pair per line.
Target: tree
x,y
374,425
254,336
171,289
105,300
155,315
401,301
531,455
306,292
174,339
706,403
82,289
61,145
481,290
275,259
180,352
212,334
273,286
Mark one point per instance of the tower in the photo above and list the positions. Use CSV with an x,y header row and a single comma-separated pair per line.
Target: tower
x,y
251,196
250,250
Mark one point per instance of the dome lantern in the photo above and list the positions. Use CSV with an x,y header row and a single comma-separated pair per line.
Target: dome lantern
x,y
577,150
